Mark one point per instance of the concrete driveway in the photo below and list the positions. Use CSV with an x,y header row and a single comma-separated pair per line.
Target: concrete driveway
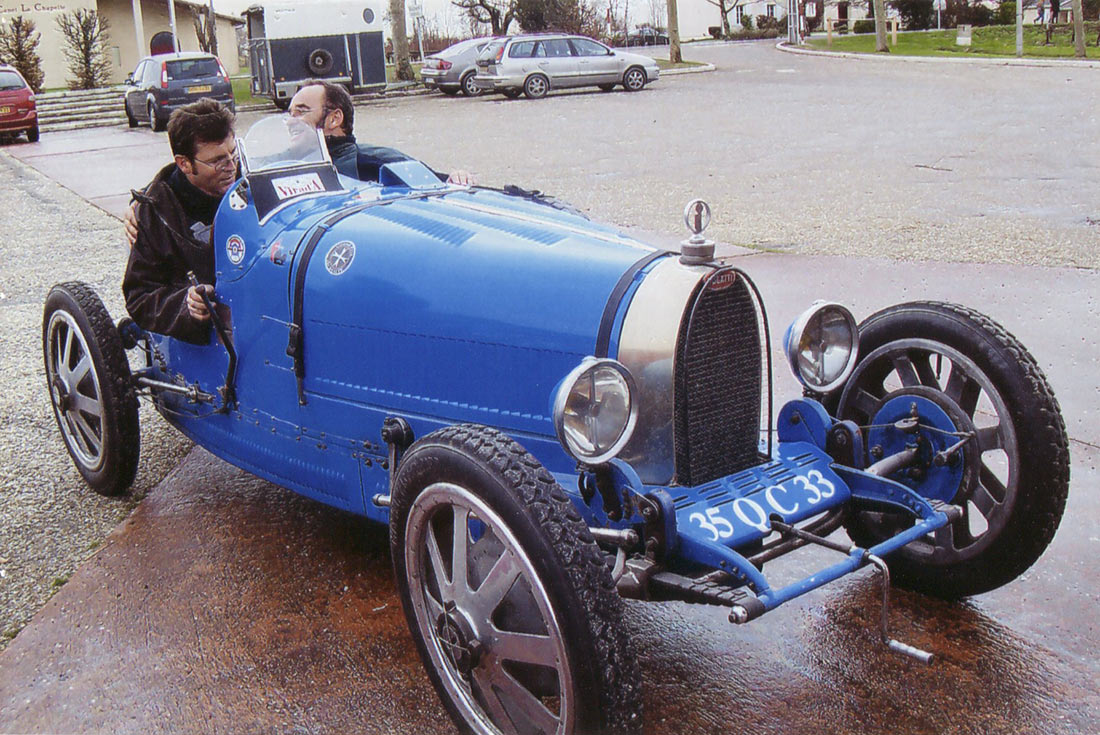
x,y
225,604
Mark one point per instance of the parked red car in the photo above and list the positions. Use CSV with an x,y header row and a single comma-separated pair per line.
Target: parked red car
x,y
17,108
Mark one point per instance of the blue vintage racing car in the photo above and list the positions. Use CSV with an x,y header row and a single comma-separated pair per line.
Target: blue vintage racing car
x,y
552,415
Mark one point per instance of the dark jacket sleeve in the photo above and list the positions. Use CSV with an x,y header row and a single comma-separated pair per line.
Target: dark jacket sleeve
x,y
155,285
372,157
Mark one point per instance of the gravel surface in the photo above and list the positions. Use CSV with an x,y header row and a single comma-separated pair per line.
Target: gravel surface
x,y
49,520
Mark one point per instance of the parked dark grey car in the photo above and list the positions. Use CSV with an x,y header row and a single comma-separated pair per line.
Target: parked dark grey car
x,y
452,70
161,83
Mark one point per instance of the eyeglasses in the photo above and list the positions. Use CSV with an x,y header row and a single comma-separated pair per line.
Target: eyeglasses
x,y
300,110
223,163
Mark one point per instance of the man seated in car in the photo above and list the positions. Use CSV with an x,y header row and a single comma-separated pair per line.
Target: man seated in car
x,y
174,217
328,107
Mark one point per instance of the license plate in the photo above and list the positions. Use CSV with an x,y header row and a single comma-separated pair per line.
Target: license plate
x,y
6,110
199,89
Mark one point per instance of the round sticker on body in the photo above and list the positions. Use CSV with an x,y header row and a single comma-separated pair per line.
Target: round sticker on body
x,y
339,257
234,249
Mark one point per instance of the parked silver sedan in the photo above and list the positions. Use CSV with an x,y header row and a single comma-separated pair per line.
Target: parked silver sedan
x,y
452,70
535,64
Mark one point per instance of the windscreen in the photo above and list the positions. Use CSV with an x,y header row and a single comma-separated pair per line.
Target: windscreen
x,y
193,68
279,142
10,80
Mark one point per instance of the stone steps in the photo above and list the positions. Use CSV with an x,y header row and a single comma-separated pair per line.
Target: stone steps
x,y
72,110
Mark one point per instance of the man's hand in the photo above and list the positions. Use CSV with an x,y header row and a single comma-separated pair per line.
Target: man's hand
x,y
462,178
129,223
195,306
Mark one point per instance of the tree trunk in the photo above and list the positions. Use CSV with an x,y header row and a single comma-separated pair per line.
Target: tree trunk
x,y
725,19
674,55
880,25
404,70
1078,28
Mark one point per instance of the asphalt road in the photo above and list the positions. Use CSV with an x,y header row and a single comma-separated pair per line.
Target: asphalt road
x,y
185,621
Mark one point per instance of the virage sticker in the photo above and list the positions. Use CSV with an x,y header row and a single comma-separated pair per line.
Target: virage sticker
x,y
292,186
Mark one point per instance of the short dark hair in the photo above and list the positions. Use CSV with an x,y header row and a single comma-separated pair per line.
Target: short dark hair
x,y
336,98
205,121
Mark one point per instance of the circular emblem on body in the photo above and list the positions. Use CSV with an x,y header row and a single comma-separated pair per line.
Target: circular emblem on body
x,y
697,216
339,257
234,249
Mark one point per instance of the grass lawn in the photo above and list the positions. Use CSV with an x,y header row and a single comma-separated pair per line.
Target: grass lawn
x,y
989,41
665,64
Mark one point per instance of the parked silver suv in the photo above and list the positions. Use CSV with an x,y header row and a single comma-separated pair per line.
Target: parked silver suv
x,y
536,64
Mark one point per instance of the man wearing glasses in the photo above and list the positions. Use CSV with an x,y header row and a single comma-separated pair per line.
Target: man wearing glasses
x,y
175,217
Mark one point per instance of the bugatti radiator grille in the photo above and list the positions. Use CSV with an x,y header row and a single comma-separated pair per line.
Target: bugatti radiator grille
x,y
718,381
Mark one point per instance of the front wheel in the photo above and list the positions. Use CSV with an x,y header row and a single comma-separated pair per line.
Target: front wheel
x,y
606,87
33,134
512,94
634,79
970,381
508,597
90,387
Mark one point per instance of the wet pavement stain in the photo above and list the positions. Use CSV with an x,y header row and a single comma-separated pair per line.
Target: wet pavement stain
x,y
228,605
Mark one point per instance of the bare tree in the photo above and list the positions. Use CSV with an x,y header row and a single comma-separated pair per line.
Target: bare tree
x,y
674,55
498,14
880,26
1078,28
725,7
404,70
205,31
86,39
19,47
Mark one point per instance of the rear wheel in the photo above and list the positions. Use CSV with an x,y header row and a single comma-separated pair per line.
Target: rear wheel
x,y
1011,476
156,123
536,86
509,599
512,93
33,134
469,87
90,387
449,91
634,79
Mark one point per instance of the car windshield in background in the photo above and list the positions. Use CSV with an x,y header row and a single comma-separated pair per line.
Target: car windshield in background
x,y
10,80
192,68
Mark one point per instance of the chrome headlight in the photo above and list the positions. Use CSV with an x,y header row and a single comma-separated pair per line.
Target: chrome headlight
x,y
594,410
822,346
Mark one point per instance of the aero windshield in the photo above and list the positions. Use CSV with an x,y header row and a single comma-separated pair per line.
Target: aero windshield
x,y
281,142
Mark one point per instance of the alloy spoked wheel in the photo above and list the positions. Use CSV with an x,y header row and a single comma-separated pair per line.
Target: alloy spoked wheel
x,y
971,384
536,86
74,388
508,598
90,388
634,79
490,627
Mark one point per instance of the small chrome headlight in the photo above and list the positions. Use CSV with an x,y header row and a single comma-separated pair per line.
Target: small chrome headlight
x,y
594,410
822,346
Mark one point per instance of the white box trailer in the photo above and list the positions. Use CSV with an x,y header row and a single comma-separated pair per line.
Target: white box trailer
x,y
339,41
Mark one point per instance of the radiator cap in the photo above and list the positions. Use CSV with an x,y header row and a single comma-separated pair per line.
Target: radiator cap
x,y
696,249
